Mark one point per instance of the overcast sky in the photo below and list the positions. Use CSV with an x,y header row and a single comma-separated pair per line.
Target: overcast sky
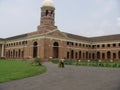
x,y
81,17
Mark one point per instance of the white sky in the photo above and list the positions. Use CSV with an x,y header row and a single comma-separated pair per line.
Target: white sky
x,y
81,17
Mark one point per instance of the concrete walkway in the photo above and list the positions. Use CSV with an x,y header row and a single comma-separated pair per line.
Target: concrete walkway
x,y
69,78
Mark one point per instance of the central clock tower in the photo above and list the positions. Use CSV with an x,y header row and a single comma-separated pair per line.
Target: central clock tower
x,y
47,22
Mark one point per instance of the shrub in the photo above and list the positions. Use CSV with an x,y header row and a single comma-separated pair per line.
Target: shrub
x,y
2,57
36,61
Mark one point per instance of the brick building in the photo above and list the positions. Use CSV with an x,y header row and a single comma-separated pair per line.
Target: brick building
x,y
48,42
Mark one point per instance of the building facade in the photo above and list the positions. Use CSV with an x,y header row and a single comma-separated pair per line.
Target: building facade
x,y
48,42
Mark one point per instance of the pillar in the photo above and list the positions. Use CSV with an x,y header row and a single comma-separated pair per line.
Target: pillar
x,y
2,52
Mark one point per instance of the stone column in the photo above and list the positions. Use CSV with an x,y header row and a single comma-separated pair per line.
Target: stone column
x,y
2,52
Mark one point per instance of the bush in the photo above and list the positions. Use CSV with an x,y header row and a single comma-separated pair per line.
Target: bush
x,y
2,57
36,61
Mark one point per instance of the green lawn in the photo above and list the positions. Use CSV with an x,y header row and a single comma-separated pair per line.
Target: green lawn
x,y
13,70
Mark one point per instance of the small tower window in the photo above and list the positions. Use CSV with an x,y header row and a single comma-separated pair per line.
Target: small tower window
x,y
47,12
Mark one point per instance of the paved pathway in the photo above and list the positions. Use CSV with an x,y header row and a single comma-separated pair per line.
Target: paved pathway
x,y
69,78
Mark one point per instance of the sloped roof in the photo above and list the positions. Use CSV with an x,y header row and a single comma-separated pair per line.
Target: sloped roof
x,y
106,38
17,37
94,39
73,36
77,37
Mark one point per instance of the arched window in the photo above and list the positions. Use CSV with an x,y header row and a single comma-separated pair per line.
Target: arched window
x,y
119,54
68,55
47,12
35,49
16,54
76,55
103,55
114,55
55,50
93,56
89,55
108,55
19,53
72,54
79,54
86,55
98,55
9,54
23,54
13,53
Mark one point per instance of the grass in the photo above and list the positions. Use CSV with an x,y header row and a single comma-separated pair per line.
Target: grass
x,y
92,64
13,70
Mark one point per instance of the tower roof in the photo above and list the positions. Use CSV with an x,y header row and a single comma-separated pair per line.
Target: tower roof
x,y
48,3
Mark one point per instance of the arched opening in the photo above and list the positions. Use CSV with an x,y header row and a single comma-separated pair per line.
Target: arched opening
x,y
56,50
9,54
35,49
16,54
114,55
103,55
22,54
13,53
119,54
68,55
79,54
76,55
19,53
108,55
98,55
72,54
47,12
87,55
83,55
93,56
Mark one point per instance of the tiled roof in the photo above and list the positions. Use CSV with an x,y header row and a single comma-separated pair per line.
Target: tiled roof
x,y
77,37
73,36
17,37
95,39
106,38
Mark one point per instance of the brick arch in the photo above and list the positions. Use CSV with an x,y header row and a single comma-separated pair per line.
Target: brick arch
x,y
119,55
80,56
108,55
35,49
55,50
98,55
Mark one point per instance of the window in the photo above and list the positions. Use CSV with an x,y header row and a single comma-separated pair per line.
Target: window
x,y
86,45
103,45
114,55
98,46
19,43
83,45
119,44
67,43
80,45
68,55
114,45
76,44
108,45
93,46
